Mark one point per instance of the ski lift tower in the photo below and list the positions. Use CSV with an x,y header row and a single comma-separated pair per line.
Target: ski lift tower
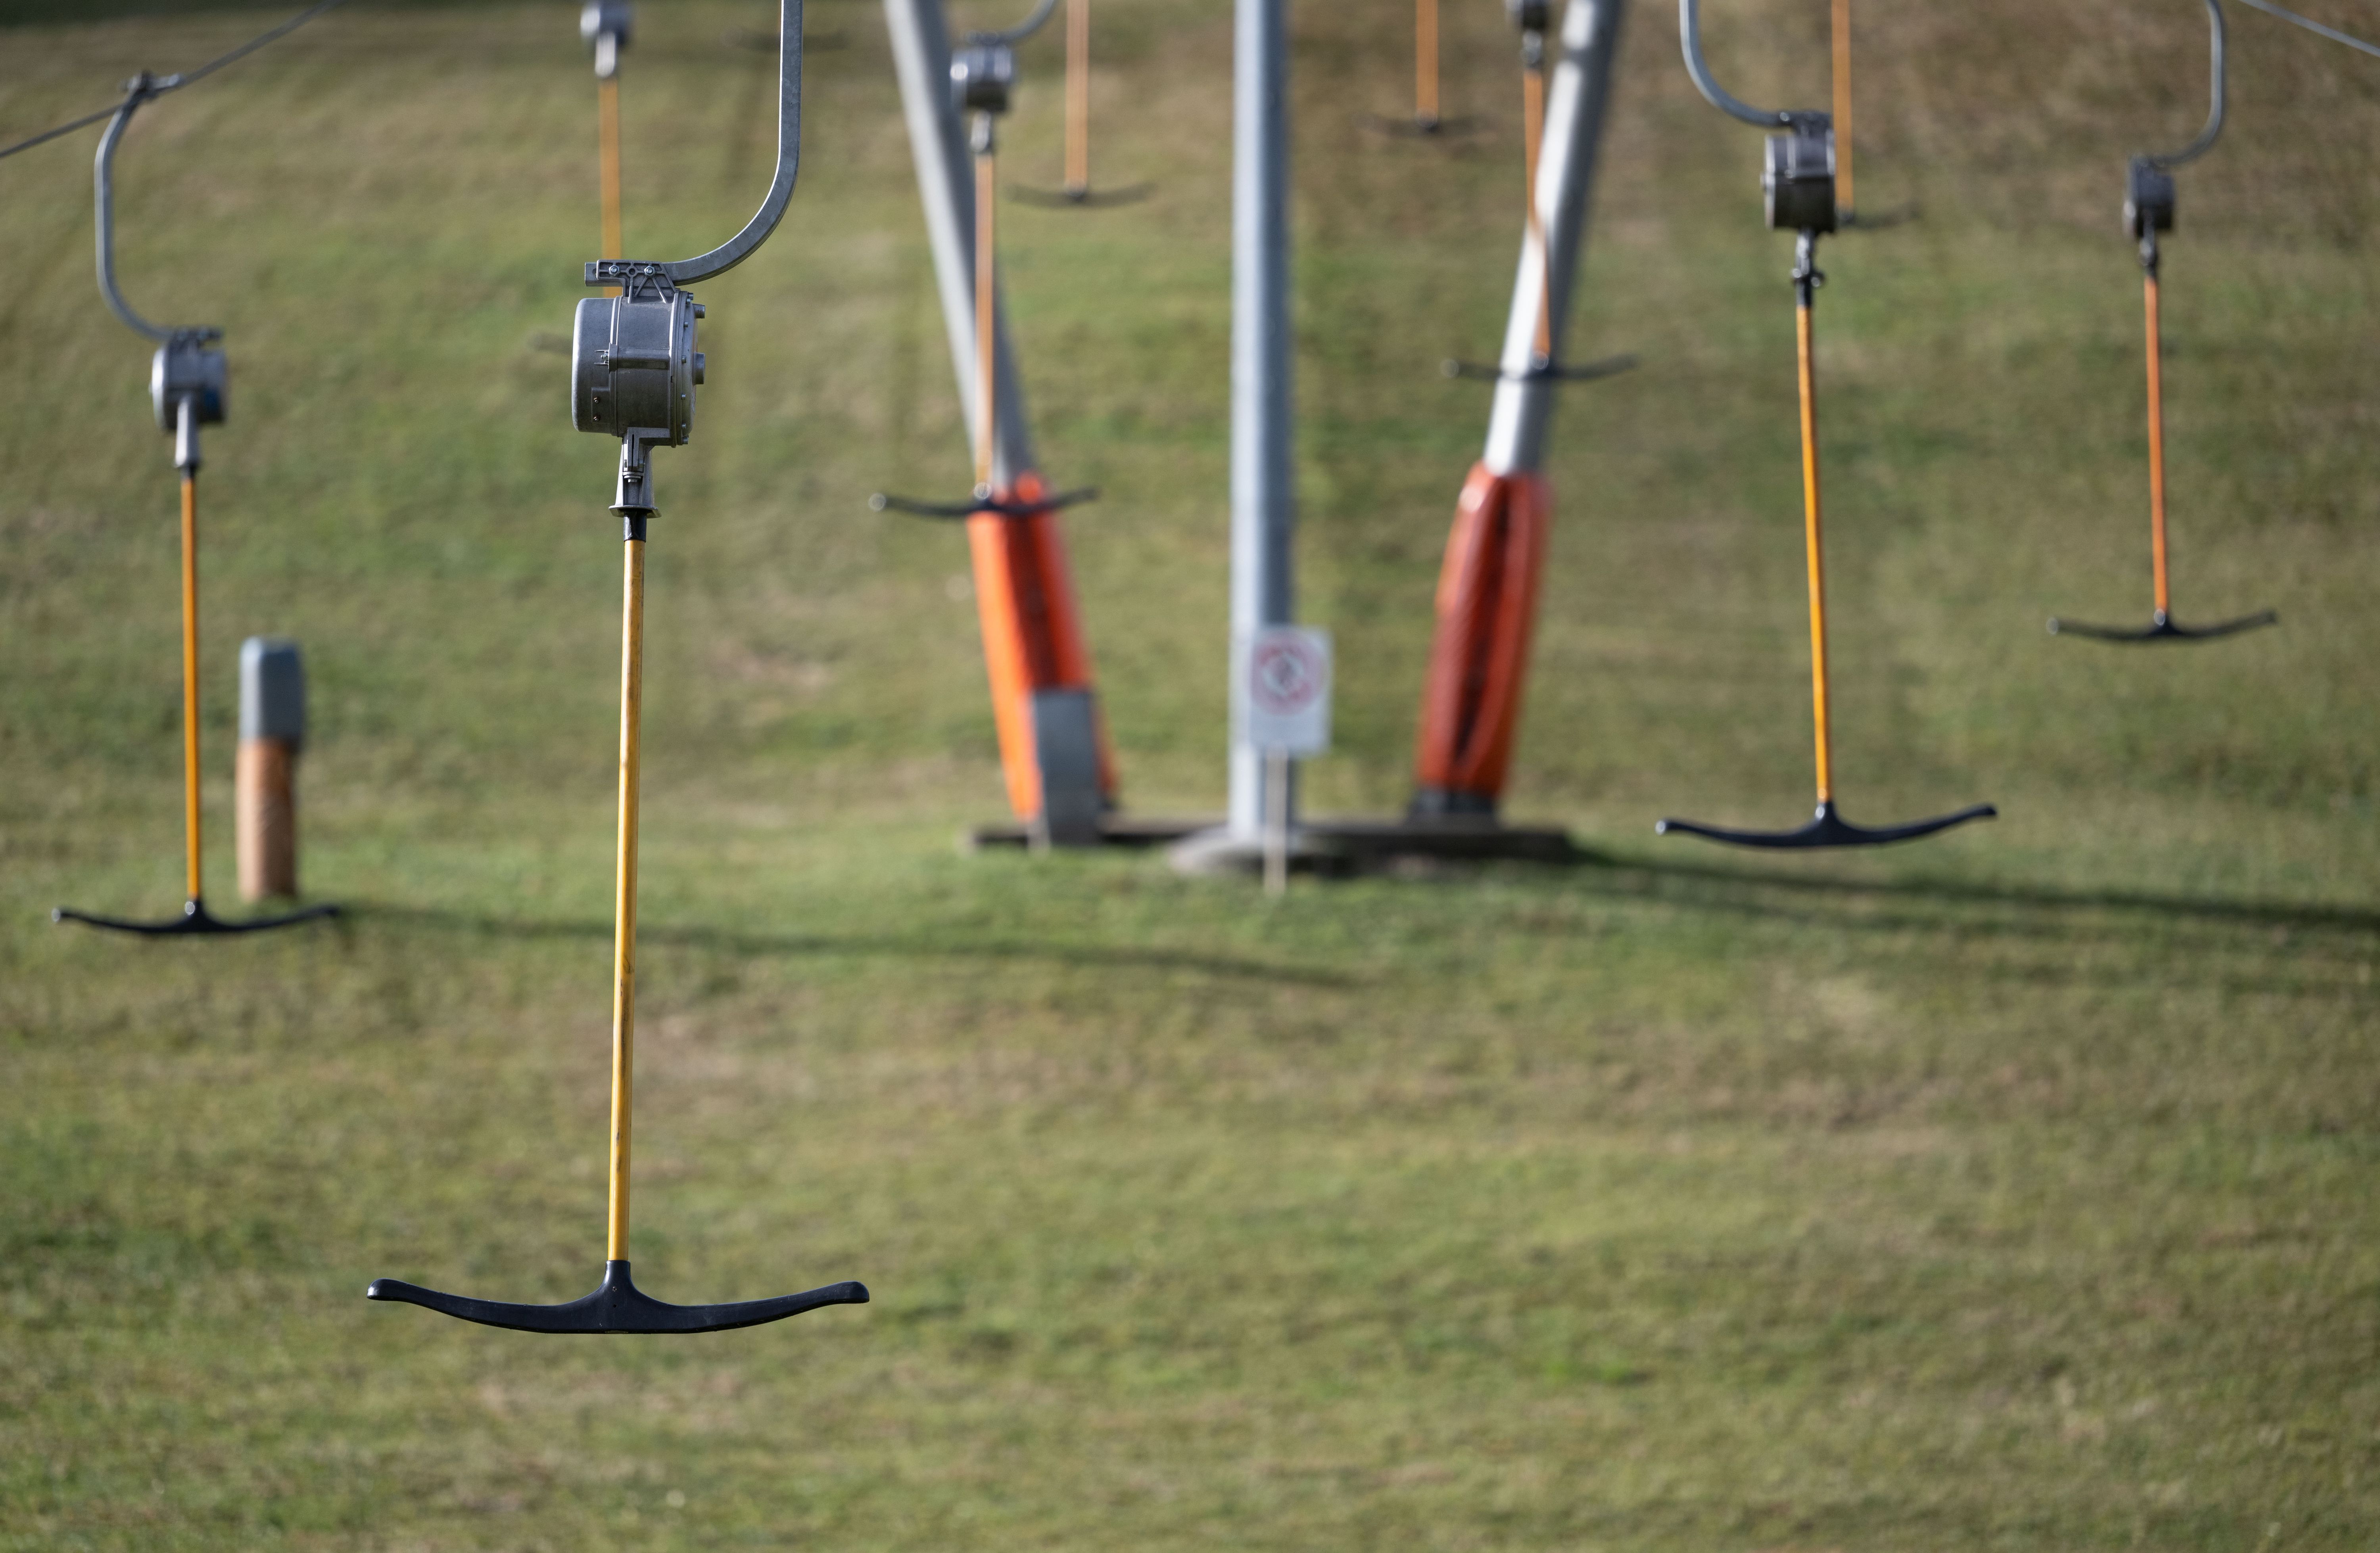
x,y
1263,517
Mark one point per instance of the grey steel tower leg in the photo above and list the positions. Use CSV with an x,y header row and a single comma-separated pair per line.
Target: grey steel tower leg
x,y
921,59
1575,105
1264,519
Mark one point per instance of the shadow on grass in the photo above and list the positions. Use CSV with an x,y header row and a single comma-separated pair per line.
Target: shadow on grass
x,y
2201,908
750,945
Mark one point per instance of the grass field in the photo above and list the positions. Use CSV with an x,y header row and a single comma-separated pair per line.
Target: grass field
x,y
2013,1190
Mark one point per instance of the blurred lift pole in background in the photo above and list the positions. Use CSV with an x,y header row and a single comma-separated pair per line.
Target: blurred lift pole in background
x,y
1486,589
1264,514
1264,519
1034,648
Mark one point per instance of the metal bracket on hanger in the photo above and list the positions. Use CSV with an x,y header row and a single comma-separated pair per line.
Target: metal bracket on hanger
x,y
183,369
633,366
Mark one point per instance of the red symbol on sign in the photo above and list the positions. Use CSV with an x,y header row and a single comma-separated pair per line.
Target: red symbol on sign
x,y
1285,677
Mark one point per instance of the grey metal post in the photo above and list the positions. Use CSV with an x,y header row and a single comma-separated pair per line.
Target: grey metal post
x,y
1578,96
921,59
1264,518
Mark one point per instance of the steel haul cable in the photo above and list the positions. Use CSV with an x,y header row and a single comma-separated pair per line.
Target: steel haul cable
x,y
2333,33
188,77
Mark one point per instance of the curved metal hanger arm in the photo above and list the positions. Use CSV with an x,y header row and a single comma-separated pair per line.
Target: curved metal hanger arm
x,y
742,246
1690,40
2205,140
142,87
1022,31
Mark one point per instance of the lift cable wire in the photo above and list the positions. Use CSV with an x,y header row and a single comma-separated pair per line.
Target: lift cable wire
x,y
2334,34
174,83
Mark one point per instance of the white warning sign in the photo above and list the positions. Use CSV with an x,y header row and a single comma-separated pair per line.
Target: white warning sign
x,y
1284,690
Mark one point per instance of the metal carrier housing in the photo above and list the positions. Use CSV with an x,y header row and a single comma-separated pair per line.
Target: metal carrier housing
x,y
1529,15
2148,198
600,16
185,369
981,76
633,365
1798,181
606,25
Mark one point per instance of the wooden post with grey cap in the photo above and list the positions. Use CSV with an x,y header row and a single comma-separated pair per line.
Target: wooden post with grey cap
x,y
272,730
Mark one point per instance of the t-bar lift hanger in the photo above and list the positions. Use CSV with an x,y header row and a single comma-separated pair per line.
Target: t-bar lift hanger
x,y
1799,185
2148,210
1533,17
187,383
1077,192
1427,119
983,74
632,371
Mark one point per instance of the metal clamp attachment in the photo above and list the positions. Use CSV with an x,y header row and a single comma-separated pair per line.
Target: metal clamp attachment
x,y
2215,96
1690,39
982,75
2148,203
1532,17
1022,31
2148,178
737,248
633,362
1797,180
607,26
188,382
633,367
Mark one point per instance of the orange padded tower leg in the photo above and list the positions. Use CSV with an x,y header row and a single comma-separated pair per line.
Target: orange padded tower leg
x,y
1032,633
1486,602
